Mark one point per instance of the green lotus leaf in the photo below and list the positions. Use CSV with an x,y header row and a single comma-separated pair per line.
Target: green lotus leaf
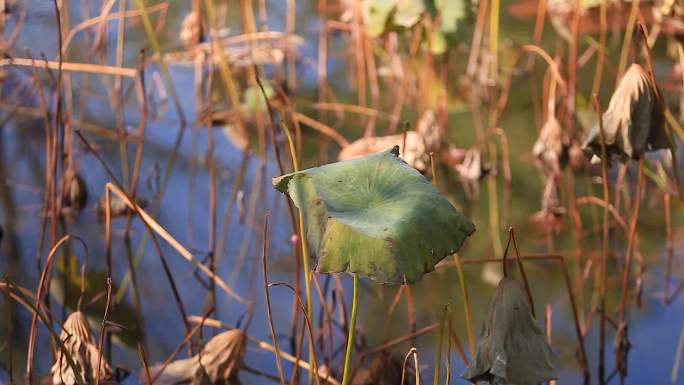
x,y
375,216
633,123
452,13
376,14
512,349
408,12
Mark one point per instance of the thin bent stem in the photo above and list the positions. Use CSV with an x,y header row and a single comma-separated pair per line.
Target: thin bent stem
x,y
346,377
522,270
271,326
466,306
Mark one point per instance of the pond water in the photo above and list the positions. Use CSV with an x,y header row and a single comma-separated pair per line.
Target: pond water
x,y
184,209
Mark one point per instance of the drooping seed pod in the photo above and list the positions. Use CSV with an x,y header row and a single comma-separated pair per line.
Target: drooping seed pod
x,y
633,123
218,363
549,146
221,358
75,193
79,342
191,30
512,349
118,207
386,369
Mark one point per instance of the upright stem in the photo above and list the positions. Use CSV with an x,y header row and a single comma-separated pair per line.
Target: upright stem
x,y
440,346
466,306
346,377
305,250
604,249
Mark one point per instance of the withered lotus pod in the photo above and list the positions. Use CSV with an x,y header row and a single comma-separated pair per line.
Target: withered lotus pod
x,y
75,194
633,123
221,358
549,146
512,348
79,343
191,30
386,369
218,363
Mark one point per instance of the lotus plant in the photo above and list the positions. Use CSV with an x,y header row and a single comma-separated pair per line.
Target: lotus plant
x,y
376,217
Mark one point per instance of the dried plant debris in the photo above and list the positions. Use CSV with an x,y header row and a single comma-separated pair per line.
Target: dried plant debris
x,y
633,123
80,344
118,207
414,151
218,363
386,369
191,30
415,146
549,146
512,348
75,191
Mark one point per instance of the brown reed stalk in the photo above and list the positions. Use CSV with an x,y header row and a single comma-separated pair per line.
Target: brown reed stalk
x,y
42,284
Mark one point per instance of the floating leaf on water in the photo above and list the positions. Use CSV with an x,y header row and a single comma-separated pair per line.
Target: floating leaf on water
x,y
633,122
218,363
375,216
79,343
512,349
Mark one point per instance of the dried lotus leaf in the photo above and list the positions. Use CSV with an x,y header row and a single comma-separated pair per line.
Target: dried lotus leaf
x,y
512,349
78,341
634,122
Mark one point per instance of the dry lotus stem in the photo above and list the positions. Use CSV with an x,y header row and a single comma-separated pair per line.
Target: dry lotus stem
x,y
79,343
